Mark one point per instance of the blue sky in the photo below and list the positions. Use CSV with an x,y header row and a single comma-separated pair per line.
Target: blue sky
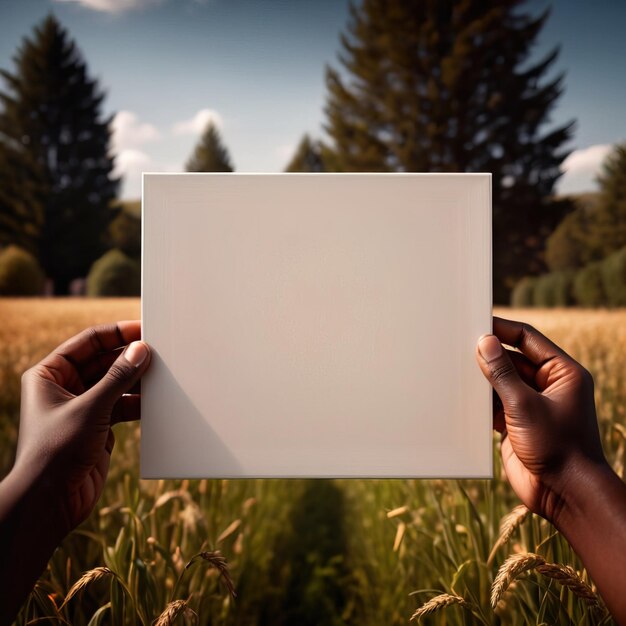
x,y
257,68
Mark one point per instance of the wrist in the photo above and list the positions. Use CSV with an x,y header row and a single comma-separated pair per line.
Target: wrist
x,y
29,534
37,502
583,485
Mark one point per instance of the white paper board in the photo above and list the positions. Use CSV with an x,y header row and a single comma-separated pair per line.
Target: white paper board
x,y
316,325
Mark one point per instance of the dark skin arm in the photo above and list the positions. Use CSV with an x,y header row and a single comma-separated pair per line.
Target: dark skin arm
x,y
70,401
551,450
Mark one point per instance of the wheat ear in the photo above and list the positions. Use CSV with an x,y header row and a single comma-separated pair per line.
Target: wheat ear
x,y
563,574
216,559
172,611
510,570
568,577
439,602
509,523
86,579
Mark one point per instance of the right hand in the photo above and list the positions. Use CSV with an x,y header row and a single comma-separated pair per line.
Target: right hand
x,y
546,415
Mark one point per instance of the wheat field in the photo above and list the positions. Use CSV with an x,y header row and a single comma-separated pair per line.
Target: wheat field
x,y
310,552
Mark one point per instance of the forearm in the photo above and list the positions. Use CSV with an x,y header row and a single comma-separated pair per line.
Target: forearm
x,y
593,519
28,537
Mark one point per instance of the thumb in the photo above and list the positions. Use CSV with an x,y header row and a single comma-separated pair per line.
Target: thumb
x,y
122,375
499,370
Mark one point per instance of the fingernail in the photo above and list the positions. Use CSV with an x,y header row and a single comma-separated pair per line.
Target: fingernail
x,y
136,353
489,347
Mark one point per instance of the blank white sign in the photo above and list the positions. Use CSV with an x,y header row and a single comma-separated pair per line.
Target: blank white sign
x,y
316,325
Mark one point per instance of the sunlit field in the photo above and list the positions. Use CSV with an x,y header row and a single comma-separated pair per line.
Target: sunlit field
x,y
309,552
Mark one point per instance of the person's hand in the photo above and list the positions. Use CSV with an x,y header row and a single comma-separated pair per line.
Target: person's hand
x,y
70,401
546,414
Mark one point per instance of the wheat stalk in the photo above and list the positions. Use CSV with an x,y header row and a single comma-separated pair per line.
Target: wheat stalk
x,y
509,523
563,574
401,510
216,559
86,579
510,570
229,530
172,611
439,602
568,577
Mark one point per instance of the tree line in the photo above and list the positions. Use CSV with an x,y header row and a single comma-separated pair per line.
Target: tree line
x,y
586,253
420,86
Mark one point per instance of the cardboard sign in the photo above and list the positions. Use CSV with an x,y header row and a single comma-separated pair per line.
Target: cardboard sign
x,y
312,325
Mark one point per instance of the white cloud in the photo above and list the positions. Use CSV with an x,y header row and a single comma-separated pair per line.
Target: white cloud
x,y
132,162
197,124
587,159
114,6
581,168
129,132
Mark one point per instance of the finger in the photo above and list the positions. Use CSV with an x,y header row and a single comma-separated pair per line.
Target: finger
x,y
499,422
95,369
110,442
121,376
82,347
126,409
527,372
498,369
60,371
63,364
537,347
524,366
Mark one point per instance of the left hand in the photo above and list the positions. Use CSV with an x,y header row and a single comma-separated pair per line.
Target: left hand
x,y
70,401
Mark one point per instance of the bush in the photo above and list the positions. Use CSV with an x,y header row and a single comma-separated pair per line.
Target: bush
x,y
522,294
614,278
554,289
589,286
125,234
114,274
20,273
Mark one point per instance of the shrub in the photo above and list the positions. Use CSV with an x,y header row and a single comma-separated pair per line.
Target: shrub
x,y
614,278
589,287
20,273
125,234
554,289
522,294
114,274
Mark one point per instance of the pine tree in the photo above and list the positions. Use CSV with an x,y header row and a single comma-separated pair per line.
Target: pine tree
x,y
609,231
54,156
307,158
210,155
445,86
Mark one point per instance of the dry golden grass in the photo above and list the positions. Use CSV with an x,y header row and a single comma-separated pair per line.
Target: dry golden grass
x,y
403,534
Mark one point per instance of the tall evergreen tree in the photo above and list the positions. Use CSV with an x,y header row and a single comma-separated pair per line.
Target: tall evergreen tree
x,y
307,158
610,228
445,85
54,151
210,154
